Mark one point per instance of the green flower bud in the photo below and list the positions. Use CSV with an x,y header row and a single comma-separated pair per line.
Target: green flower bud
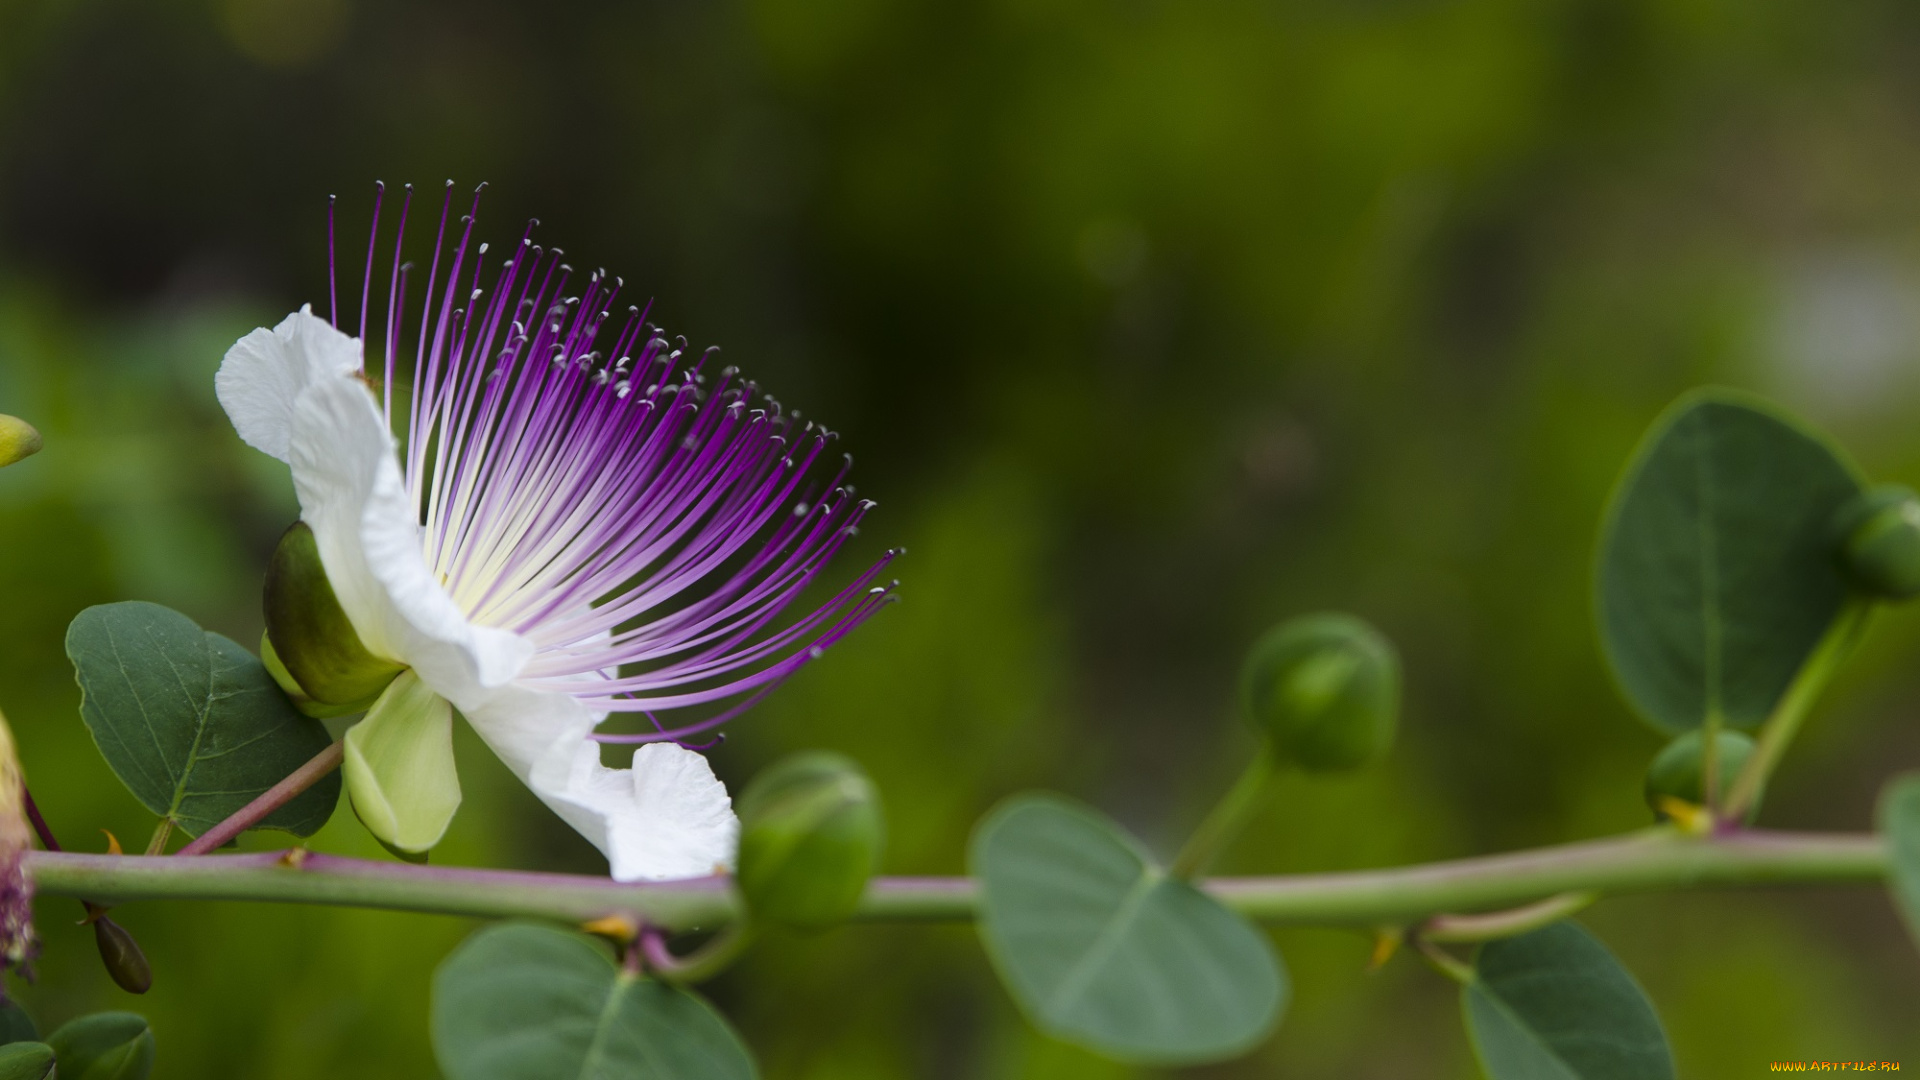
x,y
310,636
1881,552
17,440
26,1061
1676,771
811,831
125,962
1326,689
107,1046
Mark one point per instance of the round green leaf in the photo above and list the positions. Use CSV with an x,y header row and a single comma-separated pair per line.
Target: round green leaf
x,y
190,721
26,1061
15,1024
1555,1005
1101,948
524,1002
1719,568
1900,822
104,1046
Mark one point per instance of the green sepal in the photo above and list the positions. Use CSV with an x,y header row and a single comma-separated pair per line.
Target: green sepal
x,y
318,710
312,636
1326,689
104,1046
417,858
399,767
811,832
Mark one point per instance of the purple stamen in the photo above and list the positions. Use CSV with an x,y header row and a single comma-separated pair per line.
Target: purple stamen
x,y
644,522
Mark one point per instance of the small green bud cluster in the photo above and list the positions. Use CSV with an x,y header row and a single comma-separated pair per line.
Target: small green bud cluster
x,y
1326,689
1881,548
1677,771
310,646
811,831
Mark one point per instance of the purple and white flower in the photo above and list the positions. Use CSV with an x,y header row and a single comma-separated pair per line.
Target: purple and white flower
x,y
18,942
578,519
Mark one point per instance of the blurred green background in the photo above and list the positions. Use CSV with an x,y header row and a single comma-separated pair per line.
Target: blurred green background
x,y
1149,323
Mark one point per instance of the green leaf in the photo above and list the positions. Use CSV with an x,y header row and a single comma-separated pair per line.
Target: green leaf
x,y
525,1002
1555,1005
15,1024
1900,822
190,721
1719,568
104,1046
26,1061
1101,948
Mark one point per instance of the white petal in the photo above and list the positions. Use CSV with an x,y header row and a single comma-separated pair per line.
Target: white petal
x,y
265,373
666,817
351,494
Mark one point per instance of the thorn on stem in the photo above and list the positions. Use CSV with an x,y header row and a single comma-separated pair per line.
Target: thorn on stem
x,y
1693,819
619,929
1386,942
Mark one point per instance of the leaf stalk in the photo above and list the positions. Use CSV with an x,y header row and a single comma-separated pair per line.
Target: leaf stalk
x,y
1780,728
267,802
1229,815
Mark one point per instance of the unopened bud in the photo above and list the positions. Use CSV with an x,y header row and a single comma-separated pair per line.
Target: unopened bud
x,y
17,941
1677,770
122,956
1326,689
17,440
1881,552
109,1044
811,831
311,637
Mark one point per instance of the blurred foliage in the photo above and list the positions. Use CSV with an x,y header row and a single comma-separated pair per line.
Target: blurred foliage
x,y
1150,323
